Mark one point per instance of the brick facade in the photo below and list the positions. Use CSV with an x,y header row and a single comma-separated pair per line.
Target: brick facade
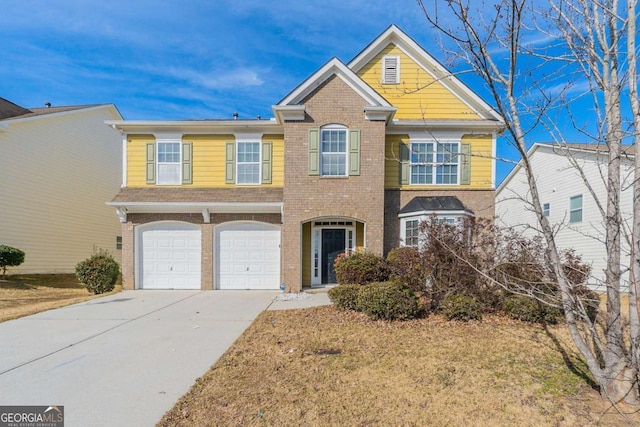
x,y
207,259
481,202
309,197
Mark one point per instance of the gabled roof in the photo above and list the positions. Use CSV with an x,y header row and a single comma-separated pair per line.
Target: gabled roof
x,y
564,149
292,103
432,204
35,113
394,35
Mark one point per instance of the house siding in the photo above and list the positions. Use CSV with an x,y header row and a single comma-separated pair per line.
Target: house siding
x,y
308,197
56,172
208,160
418,95
481,163
557,182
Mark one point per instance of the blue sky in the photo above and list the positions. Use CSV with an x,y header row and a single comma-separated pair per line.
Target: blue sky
x,y
190,59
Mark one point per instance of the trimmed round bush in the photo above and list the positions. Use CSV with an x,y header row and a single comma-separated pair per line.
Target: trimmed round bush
x,y
361,268
98,273
461,307
388,301
10,257
345,297
528,309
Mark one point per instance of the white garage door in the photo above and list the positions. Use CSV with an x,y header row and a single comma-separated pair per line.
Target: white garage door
x,y
170,257
247,256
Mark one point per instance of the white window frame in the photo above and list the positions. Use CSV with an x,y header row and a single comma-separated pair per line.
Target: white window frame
x,y
161,164
258,180
344,155
434,165
387,80
574,211
452,219
546,209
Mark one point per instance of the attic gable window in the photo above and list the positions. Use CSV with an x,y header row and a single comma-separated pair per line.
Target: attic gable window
x,y
390,69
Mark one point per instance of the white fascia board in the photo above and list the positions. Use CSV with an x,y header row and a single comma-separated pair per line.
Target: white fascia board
x,y
339,69
196,126
437,213
289,112
195,207
393,35
516,168
468,126
379,113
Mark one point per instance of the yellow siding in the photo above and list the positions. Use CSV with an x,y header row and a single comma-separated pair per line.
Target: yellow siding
x,y
418,95
481,163
208,159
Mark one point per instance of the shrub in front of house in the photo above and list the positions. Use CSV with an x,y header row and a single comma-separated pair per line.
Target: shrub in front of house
x,y
361,268
406,265
528,309
98,273
345,297
388,301
461,307
10,257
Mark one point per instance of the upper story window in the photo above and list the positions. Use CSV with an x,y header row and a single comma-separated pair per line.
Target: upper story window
x,y
546,209
434,163
333,148
575,209
169,163
390,69
248,163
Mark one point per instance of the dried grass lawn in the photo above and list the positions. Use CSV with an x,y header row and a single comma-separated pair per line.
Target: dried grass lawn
x,y
22,295
324,367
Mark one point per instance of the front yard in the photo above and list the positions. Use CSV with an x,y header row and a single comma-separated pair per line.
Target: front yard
x,y
22,295
324,367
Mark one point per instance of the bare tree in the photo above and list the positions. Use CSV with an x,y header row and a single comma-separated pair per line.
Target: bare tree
x,y
582,39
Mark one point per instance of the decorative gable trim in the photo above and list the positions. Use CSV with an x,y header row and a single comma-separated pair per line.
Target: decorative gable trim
x,y
291,107
394,35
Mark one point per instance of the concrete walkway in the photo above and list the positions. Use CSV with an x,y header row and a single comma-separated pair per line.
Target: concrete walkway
x,y
124,360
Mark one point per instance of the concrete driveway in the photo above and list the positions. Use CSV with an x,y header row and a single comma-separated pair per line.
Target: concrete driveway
x,y
125,359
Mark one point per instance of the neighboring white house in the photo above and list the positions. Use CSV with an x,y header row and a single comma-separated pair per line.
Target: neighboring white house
x,y
573,209
58,166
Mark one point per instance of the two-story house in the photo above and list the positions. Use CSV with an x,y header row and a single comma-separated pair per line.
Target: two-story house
x,y
58,164
571,181
354,158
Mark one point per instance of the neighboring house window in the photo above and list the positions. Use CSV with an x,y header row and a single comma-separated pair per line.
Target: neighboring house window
x,y
546,209
248,164
118,242
169,163
434,163
333,147
391,69
575,209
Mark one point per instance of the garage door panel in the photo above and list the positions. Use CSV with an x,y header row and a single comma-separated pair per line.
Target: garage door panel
x,y
171,256
247,256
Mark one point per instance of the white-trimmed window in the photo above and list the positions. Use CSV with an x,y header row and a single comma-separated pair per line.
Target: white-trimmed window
x,y
248,163
390,69
333,149
169,163
546,209
410,233
575,209
435,163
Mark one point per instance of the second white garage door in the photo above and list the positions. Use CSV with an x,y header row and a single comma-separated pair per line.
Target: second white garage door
x,y
247,256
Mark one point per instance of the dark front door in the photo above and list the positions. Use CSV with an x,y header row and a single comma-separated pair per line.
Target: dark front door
x,y
332,246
